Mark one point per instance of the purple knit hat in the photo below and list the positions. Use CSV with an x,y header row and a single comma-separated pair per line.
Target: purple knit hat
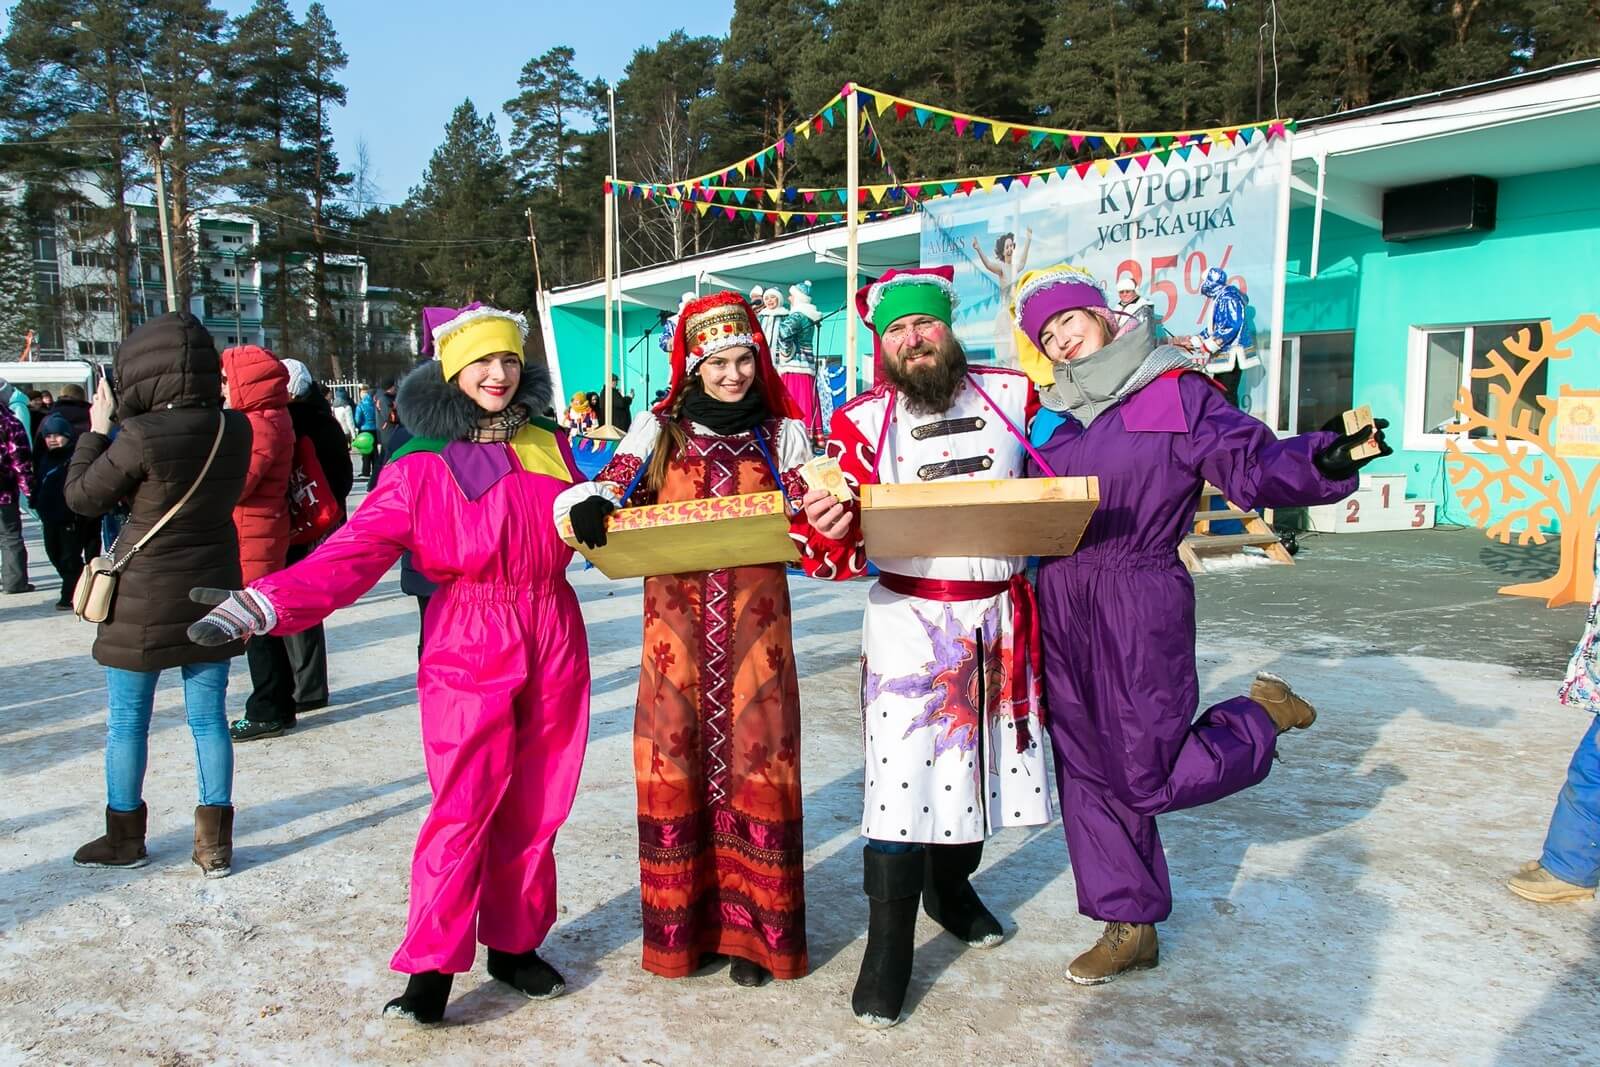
x,y
1045,293
435,317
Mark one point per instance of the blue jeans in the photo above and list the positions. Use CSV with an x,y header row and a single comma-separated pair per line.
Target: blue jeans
x,y
1572,847
131,696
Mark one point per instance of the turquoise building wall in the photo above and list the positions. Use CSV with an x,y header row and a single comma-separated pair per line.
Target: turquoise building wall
x,y
1541,261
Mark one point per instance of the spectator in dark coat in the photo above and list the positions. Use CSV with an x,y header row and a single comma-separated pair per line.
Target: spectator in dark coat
x,y
388,422
305,654
74,406
70,539
170,389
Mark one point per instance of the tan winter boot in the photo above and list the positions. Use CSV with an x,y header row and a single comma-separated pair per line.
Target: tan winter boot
x,y
1288,711
1123,947
122,845
213,840
1535,883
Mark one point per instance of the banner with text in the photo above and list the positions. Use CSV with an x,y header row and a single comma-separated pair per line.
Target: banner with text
x,y
1164,221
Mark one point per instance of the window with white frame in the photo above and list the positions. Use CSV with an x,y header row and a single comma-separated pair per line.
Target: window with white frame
x,y
1317,380
1443,359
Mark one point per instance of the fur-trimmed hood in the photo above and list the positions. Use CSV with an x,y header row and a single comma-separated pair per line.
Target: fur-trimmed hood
x,y
429,406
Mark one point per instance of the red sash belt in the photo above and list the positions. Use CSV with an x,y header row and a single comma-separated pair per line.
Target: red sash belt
x,y
1028,650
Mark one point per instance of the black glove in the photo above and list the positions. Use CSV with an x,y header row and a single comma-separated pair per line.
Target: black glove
x,y
1335,461
588,518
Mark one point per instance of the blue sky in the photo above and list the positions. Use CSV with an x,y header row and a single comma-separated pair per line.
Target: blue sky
x,y
411,62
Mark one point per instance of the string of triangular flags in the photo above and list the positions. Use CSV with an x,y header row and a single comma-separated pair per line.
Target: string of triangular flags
x,y
978,127
896,193
732,212
820,121
1140,149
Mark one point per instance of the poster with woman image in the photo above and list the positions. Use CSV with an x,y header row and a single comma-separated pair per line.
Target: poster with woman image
x,y
1164,219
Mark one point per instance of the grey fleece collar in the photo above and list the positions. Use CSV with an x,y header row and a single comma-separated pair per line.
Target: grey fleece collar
x,y
1085,388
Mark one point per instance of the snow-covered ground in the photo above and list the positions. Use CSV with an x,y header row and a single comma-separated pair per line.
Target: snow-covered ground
x,y
1350,910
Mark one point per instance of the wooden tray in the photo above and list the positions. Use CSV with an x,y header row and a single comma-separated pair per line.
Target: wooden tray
x,y
1000,517
692,535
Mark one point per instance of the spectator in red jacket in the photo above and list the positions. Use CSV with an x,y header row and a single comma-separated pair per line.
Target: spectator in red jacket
x,y
256,382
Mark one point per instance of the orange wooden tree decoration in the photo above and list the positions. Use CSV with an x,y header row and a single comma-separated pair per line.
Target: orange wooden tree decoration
x,y
1536,486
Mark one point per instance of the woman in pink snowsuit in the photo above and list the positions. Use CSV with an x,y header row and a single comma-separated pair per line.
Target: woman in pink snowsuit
x,y
504,675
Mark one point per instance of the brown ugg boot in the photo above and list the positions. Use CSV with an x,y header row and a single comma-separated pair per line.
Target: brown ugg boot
x,y
1123,947
122,845
1287,711
213,839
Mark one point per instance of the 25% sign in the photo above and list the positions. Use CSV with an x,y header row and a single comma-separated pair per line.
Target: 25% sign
x,y
1191,273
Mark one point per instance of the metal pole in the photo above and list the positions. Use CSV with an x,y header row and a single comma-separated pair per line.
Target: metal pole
x,y
610,229
852,262
533,247
238,322
611,104
161,215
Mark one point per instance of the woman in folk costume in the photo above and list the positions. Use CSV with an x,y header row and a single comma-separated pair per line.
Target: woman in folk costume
x,y
1118,615
770,313
717,728
796,355
504,677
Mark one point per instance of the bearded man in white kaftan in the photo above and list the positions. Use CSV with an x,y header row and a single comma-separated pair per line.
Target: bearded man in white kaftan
x,y
953,724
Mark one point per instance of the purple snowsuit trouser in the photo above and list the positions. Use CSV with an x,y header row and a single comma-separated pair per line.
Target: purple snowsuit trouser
x,y
1122,694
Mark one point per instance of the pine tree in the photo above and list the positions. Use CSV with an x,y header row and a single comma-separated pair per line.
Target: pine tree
x,y
18,306
555,106
275,165
671,125
322,59
758,79
465,208
74,100
195,116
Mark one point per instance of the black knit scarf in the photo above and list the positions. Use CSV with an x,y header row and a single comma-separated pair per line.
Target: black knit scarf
x,y
726,417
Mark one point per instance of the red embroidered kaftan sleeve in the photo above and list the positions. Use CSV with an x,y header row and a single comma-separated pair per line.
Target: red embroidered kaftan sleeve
x,y
823,557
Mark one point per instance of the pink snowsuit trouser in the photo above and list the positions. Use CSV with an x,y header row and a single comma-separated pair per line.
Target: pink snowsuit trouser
x,y
503,687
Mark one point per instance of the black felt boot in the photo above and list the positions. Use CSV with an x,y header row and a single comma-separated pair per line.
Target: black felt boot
x,y
950,900
424,999
748,974
527,973
893,883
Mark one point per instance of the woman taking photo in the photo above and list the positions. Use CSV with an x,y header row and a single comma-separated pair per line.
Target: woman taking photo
x,y
504,677
170,384
717,728
1118,614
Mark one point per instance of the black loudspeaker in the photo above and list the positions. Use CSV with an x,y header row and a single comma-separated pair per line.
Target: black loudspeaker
x,y
1433,209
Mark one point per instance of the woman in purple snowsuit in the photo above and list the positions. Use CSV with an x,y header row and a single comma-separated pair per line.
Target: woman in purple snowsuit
x,y
1118,615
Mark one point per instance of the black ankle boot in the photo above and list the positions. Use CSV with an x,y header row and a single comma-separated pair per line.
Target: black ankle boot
x,y
424,999
950,900
527,973
893,882
748,974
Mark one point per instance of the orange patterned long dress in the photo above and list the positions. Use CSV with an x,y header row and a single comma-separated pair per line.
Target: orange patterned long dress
x,y
716,747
